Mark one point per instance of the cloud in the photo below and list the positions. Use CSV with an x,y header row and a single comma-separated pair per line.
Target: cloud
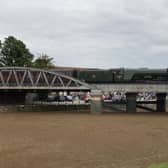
x,y
91,33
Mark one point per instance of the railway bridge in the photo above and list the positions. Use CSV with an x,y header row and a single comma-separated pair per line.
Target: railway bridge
x,y
16,82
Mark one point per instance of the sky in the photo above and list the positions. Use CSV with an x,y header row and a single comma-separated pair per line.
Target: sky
x,y
91,33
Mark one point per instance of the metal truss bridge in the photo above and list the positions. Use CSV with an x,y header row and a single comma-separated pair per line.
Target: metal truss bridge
x,y
22,78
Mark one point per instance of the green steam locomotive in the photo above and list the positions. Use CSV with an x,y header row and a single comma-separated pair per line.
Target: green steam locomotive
x,y
122,75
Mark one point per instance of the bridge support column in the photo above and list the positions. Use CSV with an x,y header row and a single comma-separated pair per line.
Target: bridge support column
x,y
161,102
131,102
96,107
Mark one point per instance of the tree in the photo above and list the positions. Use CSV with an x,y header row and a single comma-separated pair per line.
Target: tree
x,y
14,53
44,61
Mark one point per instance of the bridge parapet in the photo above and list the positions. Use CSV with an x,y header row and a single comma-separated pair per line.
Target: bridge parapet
x,y
161,88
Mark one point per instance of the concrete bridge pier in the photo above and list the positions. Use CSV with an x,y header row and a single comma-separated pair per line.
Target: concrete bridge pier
x,y
131,102
96,107
161,102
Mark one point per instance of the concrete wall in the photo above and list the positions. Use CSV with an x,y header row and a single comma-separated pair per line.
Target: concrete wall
x,y
131,87
45,108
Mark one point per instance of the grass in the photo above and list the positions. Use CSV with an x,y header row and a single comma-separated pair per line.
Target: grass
x,y
163,165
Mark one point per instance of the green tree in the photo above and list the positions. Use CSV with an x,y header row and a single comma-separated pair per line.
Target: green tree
x,y
44,61
14,53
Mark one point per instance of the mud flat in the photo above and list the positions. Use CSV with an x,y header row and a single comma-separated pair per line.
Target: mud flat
x,y
50,139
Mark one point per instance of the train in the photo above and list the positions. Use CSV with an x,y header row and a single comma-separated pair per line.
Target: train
x,y
120,75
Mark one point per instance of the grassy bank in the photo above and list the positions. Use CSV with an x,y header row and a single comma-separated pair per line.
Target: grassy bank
x,y
163,165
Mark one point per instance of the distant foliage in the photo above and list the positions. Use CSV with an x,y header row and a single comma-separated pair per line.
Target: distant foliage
x,y
43,61
15,53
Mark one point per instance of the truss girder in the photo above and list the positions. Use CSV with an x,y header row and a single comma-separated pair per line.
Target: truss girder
x,y
22,77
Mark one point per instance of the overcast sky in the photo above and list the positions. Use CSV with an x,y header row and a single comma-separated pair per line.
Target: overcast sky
x,y
91,33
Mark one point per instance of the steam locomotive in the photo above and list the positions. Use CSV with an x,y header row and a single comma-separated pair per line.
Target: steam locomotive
x,y
121,75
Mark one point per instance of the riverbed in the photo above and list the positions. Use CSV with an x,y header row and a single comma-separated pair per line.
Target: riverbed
x,y
73,140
